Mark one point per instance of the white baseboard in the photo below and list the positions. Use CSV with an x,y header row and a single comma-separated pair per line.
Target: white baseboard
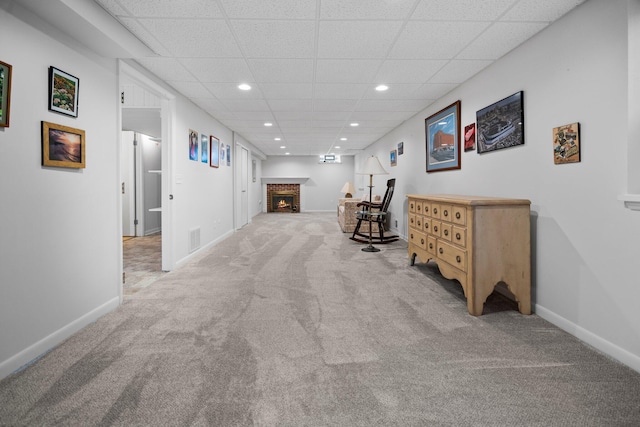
x,y
199,251
620,354
30,353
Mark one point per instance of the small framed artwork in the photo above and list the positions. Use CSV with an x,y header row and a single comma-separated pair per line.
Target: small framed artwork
x,y
501,125
5,93
63,92
470,137
62,146
443,139
214,143
204,148
222,153
193,145
393,157
566,144
253,170
400,148
228,155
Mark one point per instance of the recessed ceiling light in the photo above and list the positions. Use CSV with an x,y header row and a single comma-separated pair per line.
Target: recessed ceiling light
x,y
286,154
355,124
343,139
268,124
337,147
382,88
283,146
276,139
244,86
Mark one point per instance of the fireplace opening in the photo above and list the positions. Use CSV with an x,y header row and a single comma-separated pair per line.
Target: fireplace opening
x,y
283,201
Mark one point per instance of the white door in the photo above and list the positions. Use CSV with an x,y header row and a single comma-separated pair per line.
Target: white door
x,y
244,186
128,184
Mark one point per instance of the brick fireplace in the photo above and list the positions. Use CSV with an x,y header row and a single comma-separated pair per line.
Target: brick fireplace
x,y
283,198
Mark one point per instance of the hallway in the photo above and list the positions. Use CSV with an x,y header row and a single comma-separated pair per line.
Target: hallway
x,y
142,262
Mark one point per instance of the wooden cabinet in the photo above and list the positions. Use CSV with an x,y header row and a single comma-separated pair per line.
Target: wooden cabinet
x,y
479,241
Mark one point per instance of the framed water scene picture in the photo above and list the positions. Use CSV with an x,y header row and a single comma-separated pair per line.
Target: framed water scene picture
x,y
443,139
214,149
63,92
62,146
5,93
501,125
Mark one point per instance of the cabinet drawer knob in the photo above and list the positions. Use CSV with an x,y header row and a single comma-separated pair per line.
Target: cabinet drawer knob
x,y
422,241
441,251
435,228
411,220
458,236
419,224
445,212
446,232
430,245
458,259
457,215
435,210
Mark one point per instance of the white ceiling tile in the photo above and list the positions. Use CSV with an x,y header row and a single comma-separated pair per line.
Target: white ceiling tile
x,y
167,68
396,91
356,39
282,70
435,40
145,36
461,10
231,91
408,70
412,105
540,10
196,38
365,9
280,9
255,117
112,6
331,115
219,70
435,91
275,39
210,104
173,9
339,91
334,104
346,70
458,71
287,90
246,105
385,124
190,89
291,105
381,115
499,39
293,115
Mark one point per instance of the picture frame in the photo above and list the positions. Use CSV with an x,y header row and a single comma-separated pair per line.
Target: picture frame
x,y
393,157
228,155
5,93
566,144
193,145
204,148
64,91
400,148
62,146
442,131
501,124
222,153
214,150
470,137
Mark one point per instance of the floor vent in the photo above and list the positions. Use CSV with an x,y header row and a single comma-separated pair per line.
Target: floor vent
x,y
194,239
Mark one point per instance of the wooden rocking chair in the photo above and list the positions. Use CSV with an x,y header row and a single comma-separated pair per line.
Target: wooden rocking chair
x,y
375,213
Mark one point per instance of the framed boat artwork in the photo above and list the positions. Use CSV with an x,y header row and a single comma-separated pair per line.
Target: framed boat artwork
x,y
442,131
501,124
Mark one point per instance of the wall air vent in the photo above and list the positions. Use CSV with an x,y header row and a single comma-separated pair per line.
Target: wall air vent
x,y
330,158
194,239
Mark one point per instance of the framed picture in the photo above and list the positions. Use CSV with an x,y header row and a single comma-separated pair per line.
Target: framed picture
x,y
443,139
63,92
228,155
204,148
62,146
566,144
501,125
222,153
393,157
470,137
193,145
5,93
214,143
400,148
253,170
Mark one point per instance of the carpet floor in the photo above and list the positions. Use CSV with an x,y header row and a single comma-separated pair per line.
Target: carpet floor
x,y
289,323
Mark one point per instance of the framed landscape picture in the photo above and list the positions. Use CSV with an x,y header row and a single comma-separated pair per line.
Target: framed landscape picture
x,y
501,125
63,92
443,139
566,144
214,150
62,146
5,93
204,148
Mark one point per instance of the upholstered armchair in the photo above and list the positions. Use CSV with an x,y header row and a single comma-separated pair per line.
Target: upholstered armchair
x,y
347,209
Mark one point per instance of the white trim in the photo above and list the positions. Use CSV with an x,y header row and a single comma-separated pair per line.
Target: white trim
x,y
285,180
631,201
610,349
49,342
201,250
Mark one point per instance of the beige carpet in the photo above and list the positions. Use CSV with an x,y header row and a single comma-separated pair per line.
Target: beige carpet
x,y
289,323
142,262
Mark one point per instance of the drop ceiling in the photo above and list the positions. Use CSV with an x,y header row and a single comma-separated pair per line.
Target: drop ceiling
x,y
313,65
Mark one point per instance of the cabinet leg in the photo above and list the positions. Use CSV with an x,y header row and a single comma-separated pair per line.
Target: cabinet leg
x,y
412,260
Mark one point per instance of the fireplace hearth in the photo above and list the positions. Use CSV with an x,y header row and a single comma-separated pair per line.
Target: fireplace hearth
x,y
284,198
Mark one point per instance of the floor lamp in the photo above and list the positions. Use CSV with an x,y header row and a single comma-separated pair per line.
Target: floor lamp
x,y
372,167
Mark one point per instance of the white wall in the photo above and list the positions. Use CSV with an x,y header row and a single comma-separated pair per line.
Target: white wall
x,y
584,242
60,241
322,190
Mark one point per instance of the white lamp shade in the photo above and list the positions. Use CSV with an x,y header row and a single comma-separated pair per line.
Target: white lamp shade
x,y
373,167
348,188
